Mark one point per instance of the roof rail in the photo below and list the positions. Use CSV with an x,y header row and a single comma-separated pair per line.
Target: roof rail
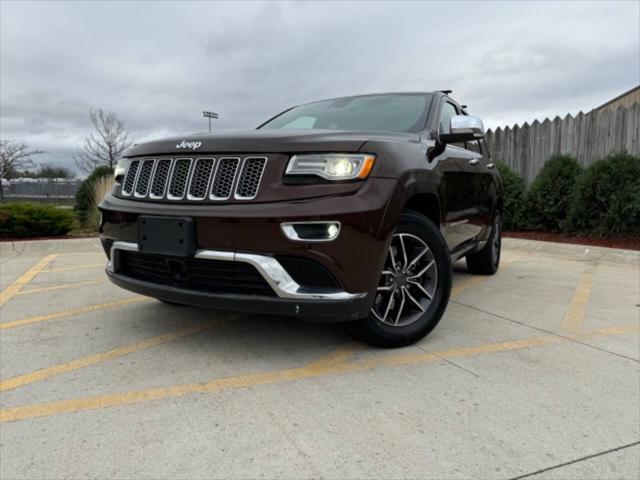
x,y
446,92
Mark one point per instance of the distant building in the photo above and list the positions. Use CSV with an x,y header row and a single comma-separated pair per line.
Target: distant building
x,y
626,100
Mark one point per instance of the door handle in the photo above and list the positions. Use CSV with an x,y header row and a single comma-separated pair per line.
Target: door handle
x,y
491,165
474,161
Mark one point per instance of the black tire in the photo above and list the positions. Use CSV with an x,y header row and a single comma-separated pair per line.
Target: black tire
x,y
173,304
487,260
373,331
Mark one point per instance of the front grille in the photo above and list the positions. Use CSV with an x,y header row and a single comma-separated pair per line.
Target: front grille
x,y
308,273
212,276
195,179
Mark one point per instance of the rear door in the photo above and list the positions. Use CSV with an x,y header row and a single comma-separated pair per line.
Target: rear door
x,y
482,183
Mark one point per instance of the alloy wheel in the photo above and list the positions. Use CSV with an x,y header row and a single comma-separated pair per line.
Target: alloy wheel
x,y
408,282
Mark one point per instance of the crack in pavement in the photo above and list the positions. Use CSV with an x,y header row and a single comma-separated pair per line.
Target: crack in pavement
x,y
571,462
549,332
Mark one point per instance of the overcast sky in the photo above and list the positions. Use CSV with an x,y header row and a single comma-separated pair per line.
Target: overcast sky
x,y
158,65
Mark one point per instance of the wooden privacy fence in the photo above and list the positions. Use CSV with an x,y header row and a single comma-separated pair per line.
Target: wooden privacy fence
x,y
587,137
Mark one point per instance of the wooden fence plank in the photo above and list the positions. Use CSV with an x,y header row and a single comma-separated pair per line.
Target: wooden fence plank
x,y
588,137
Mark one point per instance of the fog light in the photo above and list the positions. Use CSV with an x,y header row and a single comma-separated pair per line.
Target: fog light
x,y
311,231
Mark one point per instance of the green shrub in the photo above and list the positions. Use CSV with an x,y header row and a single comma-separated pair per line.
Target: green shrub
x,y
513,189
99,189
547,203
606,199
34,220
84,195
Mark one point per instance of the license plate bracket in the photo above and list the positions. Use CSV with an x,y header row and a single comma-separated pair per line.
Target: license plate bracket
x,y
175,236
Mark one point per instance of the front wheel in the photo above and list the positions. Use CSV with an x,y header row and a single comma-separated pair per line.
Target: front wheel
x,y
414,286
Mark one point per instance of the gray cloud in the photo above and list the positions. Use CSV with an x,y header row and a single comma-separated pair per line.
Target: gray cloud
x,y
159,64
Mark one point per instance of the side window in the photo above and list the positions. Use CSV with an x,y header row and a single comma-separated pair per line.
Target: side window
x,y
448,111
474,146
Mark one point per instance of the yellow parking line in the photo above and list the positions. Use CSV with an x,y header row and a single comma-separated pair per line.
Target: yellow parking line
x,y
57,287
466,284
25,278
71,312
575,313
74,254
334,364
83,362
326,364
334,358
78,267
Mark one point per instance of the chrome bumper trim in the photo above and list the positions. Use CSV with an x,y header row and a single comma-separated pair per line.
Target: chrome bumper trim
x,y
272,271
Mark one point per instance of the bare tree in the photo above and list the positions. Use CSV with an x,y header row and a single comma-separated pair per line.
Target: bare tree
x,y
15,156
105,145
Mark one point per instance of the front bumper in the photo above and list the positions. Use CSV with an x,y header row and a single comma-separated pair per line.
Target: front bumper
x,y
313,310
252,233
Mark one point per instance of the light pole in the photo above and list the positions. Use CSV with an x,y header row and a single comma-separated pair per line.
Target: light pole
x,y
209,115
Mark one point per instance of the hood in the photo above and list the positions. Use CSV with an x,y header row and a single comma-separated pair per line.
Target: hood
x,y
266,141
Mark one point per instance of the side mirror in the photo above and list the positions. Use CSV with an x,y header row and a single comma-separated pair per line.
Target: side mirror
x,y
463,128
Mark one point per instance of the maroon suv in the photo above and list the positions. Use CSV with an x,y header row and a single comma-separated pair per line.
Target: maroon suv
x,y
351,209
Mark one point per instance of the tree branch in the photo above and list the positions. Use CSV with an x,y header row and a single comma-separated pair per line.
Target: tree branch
x,y
106,144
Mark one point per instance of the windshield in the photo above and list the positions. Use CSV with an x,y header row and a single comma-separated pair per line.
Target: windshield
x,y
394,112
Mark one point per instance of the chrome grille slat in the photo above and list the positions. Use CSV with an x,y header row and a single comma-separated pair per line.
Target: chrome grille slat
x,y
144,178
199,182
160,178
224,178
130,179
250,178
179,178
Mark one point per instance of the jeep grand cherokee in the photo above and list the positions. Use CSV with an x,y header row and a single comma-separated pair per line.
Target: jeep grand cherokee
x,y
346,209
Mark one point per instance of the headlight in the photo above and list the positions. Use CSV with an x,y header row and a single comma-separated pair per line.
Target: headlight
x,y
332,166
121,169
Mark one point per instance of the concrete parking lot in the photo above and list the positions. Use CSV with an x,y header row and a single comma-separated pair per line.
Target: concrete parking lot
x,y
533,372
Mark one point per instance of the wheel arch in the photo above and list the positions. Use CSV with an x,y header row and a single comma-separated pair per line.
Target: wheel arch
x,y
426,203
415,191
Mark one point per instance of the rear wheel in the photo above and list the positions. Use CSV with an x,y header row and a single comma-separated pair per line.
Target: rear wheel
x,y
487,260
414,286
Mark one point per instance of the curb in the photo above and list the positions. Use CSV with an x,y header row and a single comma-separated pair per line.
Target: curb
x,y
575,251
